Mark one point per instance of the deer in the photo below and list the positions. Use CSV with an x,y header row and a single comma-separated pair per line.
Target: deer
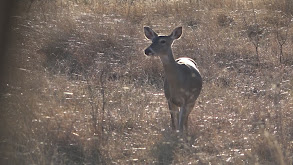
x,y
182,82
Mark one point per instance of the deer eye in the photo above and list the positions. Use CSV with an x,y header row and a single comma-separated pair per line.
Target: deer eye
x,y
163,41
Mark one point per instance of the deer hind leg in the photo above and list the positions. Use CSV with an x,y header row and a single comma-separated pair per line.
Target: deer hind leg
x,y
174,115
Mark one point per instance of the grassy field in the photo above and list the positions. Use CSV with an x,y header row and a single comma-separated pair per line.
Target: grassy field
x,y
78,88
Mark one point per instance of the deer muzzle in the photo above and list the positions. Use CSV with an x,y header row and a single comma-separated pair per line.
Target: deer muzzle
x,y
149,52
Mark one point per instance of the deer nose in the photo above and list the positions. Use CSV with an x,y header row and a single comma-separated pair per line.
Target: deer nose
x,y
149,52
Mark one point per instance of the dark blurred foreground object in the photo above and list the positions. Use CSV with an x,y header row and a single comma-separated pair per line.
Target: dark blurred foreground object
x,y
5,13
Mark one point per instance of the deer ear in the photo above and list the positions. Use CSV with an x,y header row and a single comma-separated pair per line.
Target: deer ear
x,y
176,33
149,33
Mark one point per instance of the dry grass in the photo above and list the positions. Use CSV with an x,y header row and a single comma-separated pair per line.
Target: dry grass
x,y
80,91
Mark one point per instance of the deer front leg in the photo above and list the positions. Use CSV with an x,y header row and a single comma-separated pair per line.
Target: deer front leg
x,y
174,115
183,117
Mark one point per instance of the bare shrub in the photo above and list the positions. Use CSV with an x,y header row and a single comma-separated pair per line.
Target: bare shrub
x,y
224,20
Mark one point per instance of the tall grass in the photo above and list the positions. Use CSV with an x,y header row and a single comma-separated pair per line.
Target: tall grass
x,y
80,91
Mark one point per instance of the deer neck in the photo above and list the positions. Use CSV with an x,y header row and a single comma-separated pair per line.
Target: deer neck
x,y
170,67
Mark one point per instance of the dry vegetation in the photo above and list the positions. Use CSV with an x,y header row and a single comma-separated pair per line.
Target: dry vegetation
x,y
79,89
